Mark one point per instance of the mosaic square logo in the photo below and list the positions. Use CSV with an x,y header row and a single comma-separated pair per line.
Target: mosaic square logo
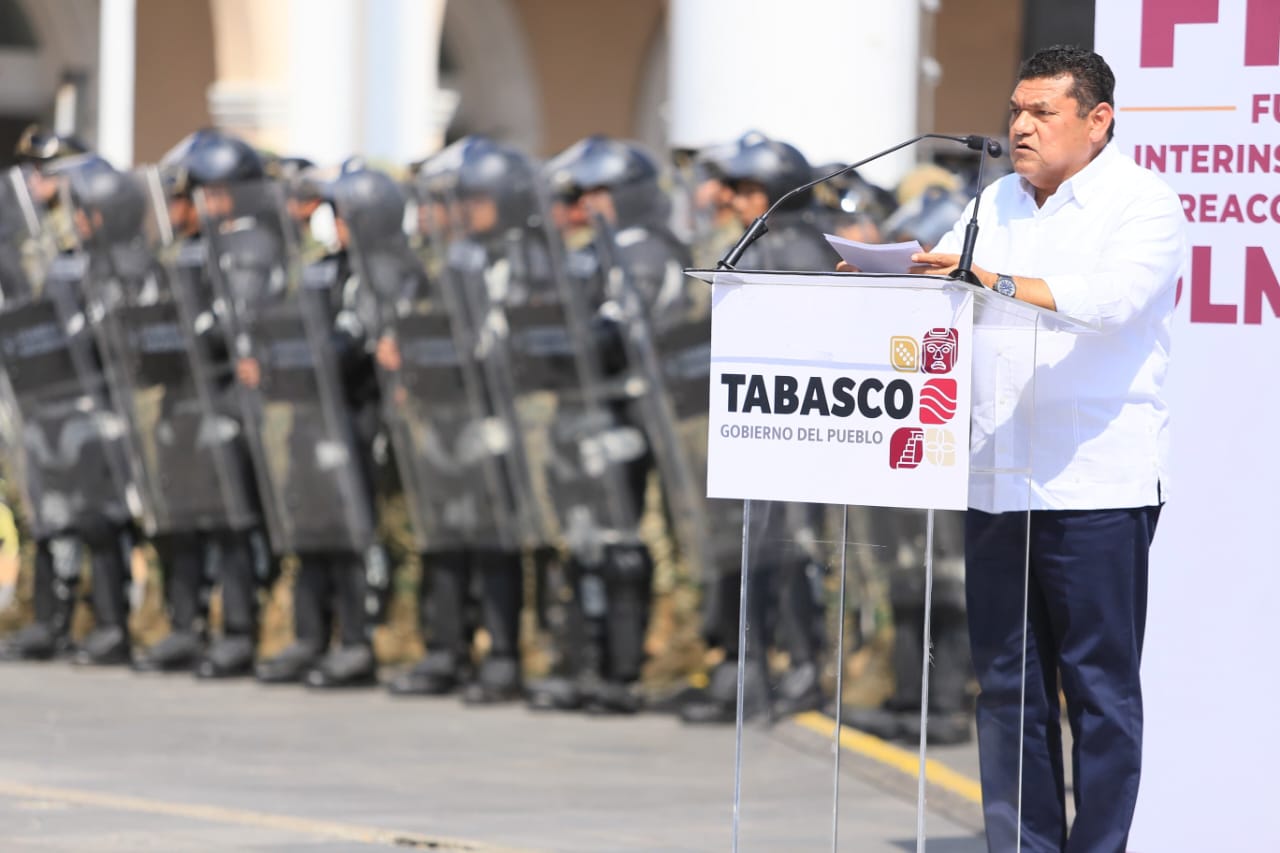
x,y
938,399
939,349
906,448
904,354
940,447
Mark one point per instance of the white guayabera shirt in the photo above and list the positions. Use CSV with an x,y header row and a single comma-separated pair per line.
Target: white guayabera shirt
x,y
1111,244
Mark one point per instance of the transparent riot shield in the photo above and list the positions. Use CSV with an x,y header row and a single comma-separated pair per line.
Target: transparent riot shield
x,y
166,368
314,477
66,450
904,693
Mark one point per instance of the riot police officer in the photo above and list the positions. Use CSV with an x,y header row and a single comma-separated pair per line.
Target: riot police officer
x,y
326,511
784,537
630,272
37,153
65,405
482,196
221,542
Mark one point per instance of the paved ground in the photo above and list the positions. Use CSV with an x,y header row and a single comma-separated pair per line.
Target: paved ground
x,y
113,761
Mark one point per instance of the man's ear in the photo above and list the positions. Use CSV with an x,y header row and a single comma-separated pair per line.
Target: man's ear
x,y
1100,119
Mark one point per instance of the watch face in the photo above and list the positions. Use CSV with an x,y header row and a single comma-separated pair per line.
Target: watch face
x,y
1005,286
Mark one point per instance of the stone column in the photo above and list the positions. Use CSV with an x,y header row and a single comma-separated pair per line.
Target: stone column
x,y
836,78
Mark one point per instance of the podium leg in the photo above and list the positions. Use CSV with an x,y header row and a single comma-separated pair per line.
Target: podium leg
x,y
742,668
835,735
924,680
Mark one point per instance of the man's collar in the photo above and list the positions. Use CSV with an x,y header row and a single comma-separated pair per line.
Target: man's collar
x,y
1083,184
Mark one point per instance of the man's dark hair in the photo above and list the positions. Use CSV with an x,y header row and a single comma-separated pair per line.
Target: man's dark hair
x,y
1092,81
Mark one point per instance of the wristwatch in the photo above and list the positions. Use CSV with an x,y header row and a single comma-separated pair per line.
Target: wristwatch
x,y
1004,285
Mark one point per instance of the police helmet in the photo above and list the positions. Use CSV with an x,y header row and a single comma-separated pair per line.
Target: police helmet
x,y
927,217
501,173
210,156
852,194
626,170
40,146
775,165
371,203
95,187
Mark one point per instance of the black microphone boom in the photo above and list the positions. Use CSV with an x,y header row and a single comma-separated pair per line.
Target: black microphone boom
x,y
964,267
761,226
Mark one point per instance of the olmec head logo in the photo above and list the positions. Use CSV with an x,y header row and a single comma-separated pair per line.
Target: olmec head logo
x,y
939,348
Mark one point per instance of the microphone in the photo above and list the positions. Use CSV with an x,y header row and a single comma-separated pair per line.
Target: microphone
x,y
761,226
964,269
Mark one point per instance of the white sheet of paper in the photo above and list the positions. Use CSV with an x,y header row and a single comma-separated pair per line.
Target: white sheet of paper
x,y
875,257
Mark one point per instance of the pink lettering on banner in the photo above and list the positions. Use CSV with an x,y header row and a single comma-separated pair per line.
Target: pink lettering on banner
x,y
1203,308
1261,289
1261,32
1160,17
1259,283
1265,104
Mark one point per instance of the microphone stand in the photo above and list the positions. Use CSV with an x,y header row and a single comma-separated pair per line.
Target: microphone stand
x,y
964,269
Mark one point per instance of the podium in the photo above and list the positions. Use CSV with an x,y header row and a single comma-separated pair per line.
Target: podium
x,y
856,416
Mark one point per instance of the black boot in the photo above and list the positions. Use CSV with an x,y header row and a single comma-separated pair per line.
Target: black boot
x,y
352,664
628,580
290,665
312,590
437,674
497,680
227,657
718,704
106,646
182,562
442,604
345,666
555,693
798,690
108,643
232,654
501,596
898,718
799,615
176,651
30,642
54,599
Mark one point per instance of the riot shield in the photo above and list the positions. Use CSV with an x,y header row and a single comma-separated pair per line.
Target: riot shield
x,y
167,371
667,339
446,444
15,237
66,448
314,478
580,459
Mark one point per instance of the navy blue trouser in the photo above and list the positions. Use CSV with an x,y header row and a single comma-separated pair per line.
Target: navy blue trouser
x,y
1086,613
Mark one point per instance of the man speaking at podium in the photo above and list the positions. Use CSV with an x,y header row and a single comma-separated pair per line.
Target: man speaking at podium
x,y
1082,229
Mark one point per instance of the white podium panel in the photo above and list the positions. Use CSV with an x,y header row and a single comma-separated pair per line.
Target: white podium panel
x,y
840,394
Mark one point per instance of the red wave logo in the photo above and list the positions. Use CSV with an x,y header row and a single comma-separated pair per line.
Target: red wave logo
x,y
938,401
906,448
